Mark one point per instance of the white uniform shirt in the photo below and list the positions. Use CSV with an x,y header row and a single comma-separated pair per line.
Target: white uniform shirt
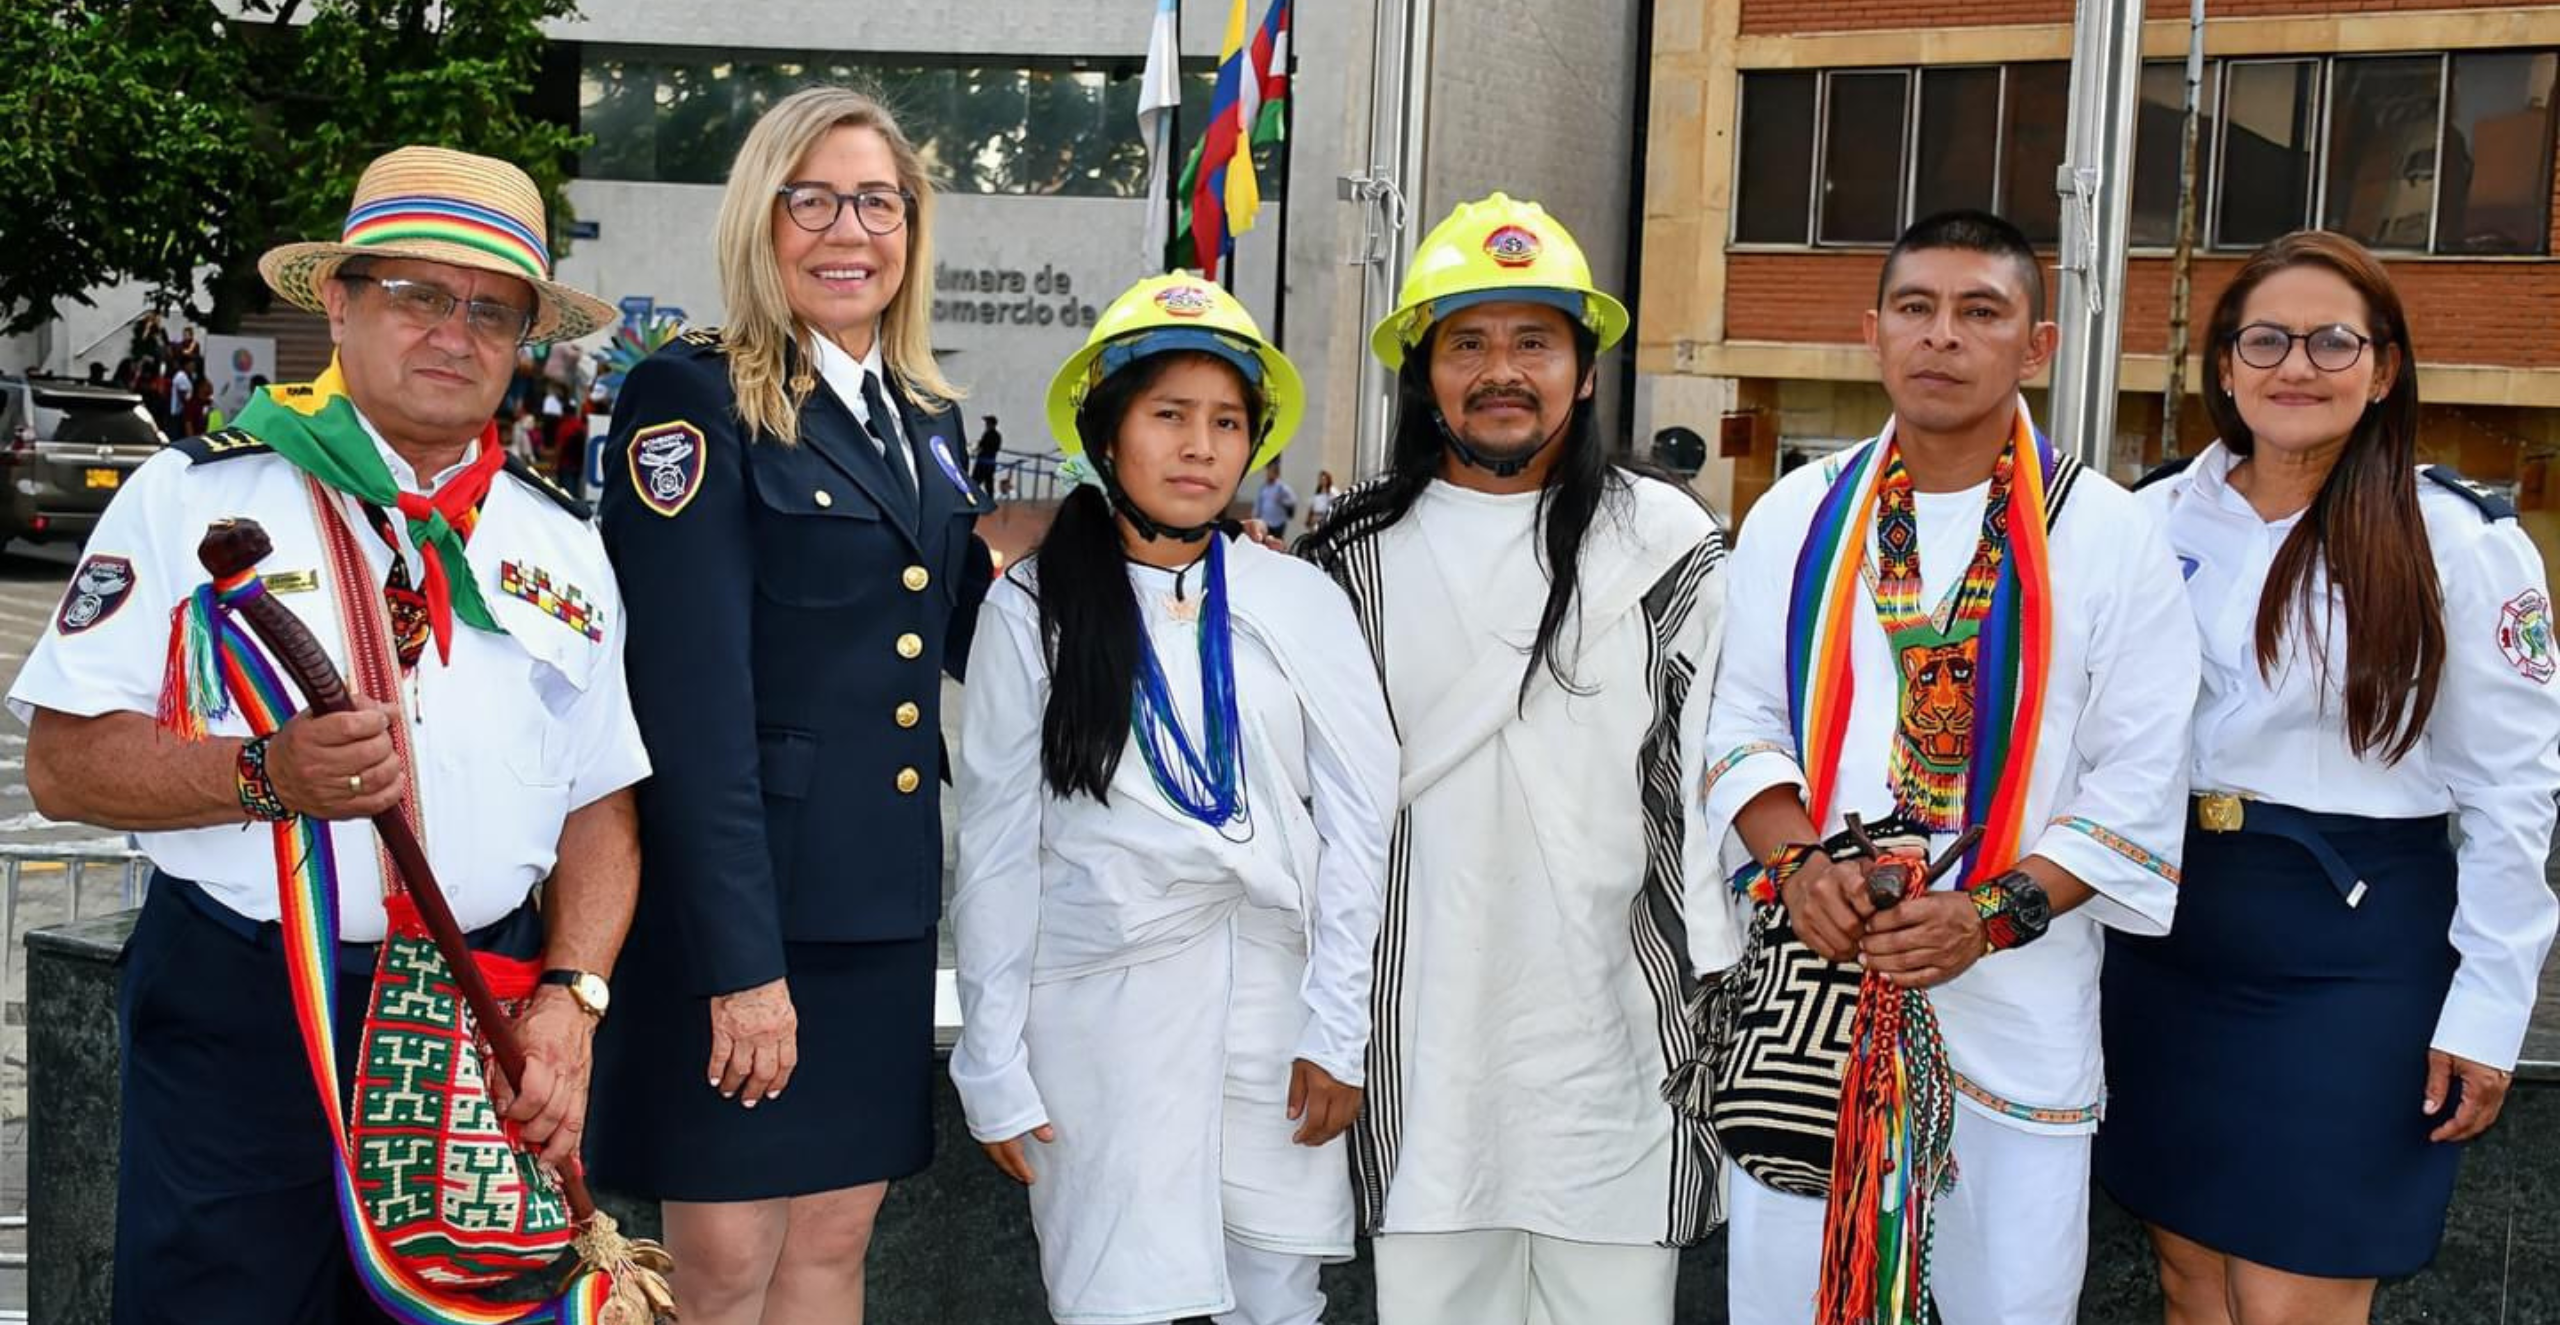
x,y
2106,802
513,734
2490,754
843,375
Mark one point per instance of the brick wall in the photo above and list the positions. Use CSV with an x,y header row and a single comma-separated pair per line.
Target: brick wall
x,y
1778,17
2488,313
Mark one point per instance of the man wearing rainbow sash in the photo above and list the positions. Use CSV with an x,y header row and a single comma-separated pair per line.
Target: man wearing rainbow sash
x,y
1948,627
470,609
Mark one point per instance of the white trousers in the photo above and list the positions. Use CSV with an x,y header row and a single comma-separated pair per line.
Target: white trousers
x,y
1506,1277
2010,1246
1271,1287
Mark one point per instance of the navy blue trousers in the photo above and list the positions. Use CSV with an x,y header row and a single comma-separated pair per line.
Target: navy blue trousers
x,y
225,1213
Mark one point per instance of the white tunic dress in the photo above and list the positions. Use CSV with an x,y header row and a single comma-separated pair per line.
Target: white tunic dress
x,y
1532,986
1142,981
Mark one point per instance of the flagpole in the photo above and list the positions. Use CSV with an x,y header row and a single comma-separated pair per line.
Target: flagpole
x,y
1288,140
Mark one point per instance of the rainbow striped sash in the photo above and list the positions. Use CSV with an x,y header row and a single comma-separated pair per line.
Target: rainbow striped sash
x,y
2015,650
214,666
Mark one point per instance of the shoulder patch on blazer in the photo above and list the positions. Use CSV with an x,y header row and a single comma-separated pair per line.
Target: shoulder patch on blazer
x,y
666,466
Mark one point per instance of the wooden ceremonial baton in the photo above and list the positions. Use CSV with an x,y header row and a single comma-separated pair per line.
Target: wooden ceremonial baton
x,y
233,546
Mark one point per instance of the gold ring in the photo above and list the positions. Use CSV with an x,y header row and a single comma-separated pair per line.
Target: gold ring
x,y
355,781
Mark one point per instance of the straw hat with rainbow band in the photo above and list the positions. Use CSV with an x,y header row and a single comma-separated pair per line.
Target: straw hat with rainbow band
x,y
1162,314
1492,250
434,204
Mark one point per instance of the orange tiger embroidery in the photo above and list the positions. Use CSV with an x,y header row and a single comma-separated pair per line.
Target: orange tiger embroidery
x,y
1937,712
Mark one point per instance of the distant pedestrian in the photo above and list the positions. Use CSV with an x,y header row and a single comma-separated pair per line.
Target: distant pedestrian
x,y
1276,502
1320,502
982,470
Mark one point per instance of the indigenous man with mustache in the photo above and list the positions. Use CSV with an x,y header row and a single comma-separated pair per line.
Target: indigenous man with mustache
x,y
1947,627
470,607
1544,618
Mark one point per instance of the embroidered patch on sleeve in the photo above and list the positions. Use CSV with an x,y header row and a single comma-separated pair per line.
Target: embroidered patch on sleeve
x,y
2524,635
97,589
566,603
666,465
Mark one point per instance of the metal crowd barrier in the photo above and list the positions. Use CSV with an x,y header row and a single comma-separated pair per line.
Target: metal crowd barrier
x,y
41,886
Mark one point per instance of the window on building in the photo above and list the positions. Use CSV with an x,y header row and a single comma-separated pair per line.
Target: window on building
x,y
1773,202
2263,164
2411,153
1862,158
2495,195
1959,140
679,114
2380,180
2158,138
2035,124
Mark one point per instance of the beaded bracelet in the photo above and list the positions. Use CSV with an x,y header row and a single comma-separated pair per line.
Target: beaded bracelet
x,y
258,791
1762,880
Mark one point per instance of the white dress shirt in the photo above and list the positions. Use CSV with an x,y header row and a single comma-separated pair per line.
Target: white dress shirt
x,y
2490,754
509,737
843,375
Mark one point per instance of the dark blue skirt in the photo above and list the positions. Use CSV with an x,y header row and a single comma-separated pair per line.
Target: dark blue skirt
x,y
2267,1060
859,1108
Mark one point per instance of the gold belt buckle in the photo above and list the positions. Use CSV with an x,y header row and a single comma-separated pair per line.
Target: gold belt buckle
x,y
2220,812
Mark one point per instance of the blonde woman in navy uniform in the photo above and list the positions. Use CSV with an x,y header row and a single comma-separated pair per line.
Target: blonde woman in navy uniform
x,y
2293,1069
785,497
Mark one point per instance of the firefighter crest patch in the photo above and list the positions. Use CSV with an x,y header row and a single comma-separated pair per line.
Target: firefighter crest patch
x,y
2524,635
666,466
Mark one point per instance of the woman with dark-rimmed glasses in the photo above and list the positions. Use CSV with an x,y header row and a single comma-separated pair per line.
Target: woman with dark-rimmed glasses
x,y
2293,1069
784,496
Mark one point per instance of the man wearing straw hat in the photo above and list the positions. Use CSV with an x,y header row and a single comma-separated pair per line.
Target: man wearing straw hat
x,y
472,610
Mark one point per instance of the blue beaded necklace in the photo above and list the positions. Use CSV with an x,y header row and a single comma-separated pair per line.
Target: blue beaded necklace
x,y
1206,780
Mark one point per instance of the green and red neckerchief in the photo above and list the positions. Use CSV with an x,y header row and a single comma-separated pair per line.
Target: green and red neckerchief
x,y
1893,1151
315,425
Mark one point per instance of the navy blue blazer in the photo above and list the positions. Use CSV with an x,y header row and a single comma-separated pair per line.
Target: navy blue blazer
x,y
790,617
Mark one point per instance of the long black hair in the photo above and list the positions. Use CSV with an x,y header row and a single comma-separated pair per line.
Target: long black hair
x,y
1090,627
1584,476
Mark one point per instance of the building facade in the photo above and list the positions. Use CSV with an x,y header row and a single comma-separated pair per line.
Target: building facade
x,y
1792,139
1027,113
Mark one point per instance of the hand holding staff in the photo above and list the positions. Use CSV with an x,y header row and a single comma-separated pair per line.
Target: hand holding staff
x,y
636,1266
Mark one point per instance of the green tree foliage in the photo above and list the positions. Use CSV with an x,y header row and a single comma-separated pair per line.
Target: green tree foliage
x,y
146,139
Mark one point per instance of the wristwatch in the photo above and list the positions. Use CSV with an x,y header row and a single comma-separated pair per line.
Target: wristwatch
x,y
2014,909
589,990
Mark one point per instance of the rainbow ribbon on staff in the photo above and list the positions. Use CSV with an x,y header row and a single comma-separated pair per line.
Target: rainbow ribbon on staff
x,y
215,666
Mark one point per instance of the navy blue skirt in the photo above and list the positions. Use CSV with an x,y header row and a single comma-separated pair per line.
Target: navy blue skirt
x,y
2267,1059
859,1108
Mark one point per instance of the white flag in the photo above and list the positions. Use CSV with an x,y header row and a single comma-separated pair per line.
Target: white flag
x,y
1159,92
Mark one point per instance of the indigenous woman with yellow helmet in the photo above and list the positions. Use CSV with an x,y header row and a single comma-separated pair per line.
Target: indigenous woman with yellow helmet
x,y
1545,618
1176,773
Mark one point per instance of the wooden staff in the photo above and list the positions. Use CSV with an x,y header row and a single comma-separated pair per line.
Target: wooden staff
x,y
231,547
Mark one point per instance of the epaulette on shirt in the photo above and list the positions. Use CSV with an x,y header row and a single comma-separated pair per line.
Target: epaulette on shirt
x,y
2168,470
220,444
540,482
2493,507
703,338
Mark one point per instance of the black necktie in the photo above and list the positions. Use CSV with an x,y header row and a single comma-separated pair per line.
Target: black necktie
x,y
886,434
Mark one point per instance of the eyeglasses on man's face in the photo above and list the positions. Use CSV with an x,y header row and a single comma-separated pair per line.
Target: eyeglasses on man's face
x,y
815,207
425,307
2332,349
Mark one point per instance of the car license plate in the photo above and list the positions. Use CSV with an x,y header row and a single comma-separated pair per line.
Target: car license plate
x,y
104,478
